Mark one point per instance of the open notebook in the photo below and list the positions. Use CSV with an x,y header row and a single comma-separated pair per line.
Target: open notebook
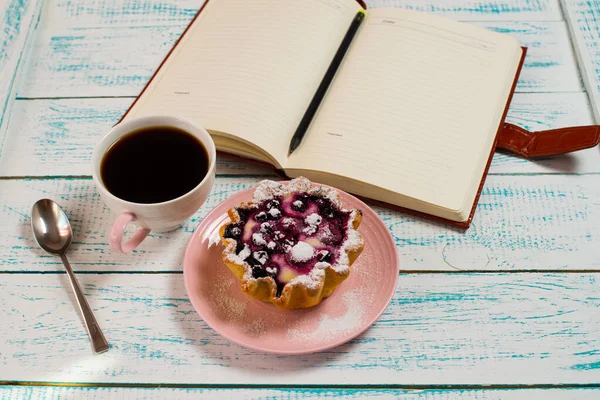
x,y
410,119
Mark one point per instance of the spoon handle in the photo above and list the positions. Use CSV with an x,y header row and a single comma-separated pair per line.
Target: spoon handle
x,y
99,343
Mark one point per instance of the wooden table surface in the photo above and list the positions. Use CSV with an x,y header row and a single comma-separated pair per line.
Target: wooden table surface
x,y
508,309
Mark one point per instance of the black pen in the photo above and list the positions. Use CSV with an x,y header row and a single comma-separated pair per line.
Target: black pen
x,y
335,64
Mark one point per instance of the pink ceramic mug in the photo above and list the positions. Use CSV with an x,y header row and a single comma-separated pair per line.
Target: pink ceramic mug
x,y
157,217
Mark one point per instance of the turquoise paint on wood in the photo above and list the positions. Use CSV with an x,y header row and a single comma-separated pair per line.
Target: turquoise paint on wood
x,y
583,17
118,61
56,137
524,222
91,13
18,19
482,11
459,329
59,393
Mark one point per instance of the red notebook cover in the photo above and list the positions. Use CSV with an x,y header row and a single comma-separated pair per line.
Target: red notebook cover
x,y
509,137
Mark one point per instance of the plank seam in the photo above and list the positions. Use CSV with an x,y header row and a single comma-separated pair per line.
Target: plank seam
x,y
583,73
581,55
307,386
73,97
584,90
405,272
88,177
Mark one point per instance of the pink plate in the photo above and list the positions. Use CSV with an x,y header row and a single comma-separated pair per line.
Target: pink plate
x,y
353,307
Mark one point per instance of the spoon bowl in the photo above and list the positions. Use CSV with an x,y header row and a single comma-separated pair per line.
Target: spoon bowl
x,y
51,227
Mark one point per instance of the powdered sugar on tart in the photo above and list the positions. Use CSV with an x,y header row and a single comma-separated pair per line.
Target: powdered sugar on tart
x,y
292,235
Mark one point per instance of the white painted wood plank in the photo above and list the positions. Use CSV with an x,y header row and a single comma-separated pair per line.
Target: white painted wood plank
x,y
583,18
97,13
96,61
438,329
75,393
473,10
118,61
94,13
18,19
522,222
56,137
550,65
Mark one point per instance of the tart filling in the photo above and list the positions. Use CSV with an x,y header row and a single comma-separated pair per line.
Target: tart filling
x,y
292,235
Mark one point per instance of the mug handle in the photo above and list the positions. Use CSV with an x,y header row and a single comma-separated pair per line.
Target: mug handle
x,y
118,229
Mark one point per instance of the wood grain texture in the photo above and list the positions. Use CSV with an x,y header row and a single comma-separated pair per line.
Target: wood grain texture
x,y
438,329
550,65
96,61
473,10
522,222
95,13
583,18
56,137
118,61
75,393
449,328
98,13
18,19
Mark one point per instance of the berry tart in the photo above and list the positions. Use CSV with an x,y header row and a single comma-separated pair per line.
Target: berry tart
x,y
293,244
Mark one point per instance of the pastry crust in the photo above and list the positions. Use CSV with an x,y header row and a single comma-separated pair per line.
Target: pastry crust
x,y
304,290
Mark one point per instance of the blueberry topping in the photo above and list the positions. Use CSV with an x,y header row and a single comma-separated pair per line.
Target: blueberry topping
x,y
266,227
239,247
324,256
261,216
273,247
259,272
328,212
280,225
299,206
273,204
259,240
244,213
253,262
271,270
330,233
264,271
289,224
260,256
232,231
274,214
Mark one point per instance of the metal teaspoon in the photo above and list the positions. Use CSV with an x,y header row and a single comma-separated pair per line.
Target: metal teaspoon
x,y
53,233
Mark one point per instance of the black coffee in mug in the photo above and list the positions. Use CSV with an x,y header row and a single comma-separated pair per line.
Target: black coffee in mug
x,y
153,165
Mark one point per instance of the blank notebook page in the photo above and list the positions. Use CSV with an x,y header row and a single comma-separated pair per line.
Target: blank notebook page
x,y
415,107
250,68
